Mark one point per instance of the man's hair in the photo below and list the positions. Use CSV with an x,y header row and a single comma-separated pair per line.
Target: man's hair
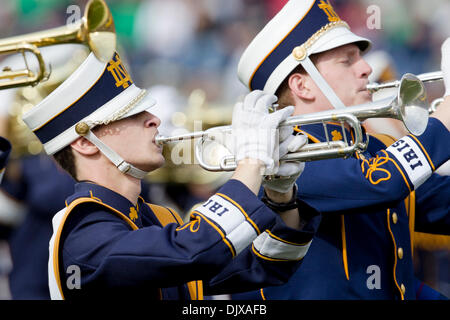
x,y
283,92
66,160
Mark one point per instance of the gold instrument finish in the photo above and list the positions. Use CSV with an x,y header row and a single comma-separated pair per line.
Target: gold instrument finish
x,y
23,140
409,106
96,30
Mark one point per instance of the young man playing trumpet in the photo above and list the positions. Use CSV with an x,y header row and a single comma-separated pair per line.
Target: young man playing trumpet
x,y
372,202
100,128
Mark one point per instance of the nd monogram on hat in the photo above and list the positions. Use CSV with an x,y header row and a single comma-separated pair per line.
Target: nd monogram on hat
x,y
301,28
96,93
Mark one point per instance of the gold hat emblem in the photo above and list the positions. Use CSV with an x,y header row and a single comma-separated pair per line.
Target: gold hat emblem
x,y
119,72
329,10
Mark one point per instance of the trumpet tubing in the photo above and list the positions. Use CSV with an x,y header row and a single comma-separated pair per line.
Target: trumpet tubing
x,y
96,30
409,106
424,77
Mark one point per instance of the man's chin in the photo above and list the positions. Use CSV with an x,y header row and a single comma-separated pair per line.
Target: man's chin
x,y
152,165
363,98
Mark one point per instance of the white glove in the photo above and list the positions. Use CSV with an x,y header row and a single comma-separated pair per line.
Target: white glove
x,y
445,65
288,171
255,130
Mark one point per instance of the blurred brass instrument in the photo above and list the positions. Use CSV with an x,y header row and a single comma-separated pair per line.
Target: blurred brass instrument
x,y
96,30
23,140
408,105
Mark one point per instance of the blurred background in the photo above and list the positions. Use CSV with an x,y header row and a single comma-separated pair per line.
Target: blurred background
x,y
195,43
186,52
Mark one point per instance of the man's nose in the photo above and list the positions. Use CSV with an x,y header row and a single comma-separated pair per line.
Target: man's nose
x,y
154,121
364,68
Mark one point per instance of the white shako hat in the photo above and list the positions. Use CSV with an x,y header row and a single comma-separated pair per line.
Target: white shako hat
x,y
301,28
95,93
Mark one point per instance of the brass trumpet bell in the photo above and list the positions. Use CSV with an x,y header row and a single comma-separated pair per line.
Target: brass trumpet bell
x,y
96,30
412,104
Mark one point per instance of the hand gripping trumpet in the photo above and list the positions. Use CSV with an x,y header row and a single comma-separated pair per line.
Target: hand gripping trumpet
x,y
408,105
96,30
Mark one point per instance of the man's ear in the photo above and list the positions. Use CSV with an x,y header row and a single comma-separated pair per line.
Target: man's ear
x,y
300,86
84,146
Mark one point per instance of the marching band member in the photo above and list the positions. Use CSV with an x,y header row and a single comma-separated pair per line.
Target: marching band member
x,y
34,187
372,202
100,129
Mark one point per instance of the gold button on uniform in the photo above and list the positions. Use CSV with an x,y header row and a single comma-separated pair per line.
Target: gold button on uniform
x,y
400,253
403,288
394,218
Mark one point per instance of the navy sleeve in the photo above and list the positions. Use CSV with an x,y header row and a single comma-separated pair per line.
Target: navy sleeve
x,y
433,206
271,259
383,180
108,252
5,150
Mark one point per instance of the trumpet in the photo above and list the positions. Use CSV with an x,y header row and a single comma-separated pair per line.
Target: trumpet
x,y
435,104
408,105
96,30
424,77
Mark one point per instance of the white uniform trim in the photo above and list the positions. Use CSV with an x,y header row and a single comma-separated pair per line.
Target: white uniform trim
x,y
58,223
273,248
55,293
413,160
238,231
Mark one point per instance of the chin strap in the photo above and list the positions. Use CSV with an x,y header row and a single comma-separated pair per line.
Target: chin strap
x,y
118,161
321,83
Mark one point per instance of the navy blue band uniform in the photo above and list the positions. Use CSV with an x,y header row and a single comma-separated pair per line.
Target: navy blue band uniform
x,y
371,205
233,241
372,202
5,150
146,251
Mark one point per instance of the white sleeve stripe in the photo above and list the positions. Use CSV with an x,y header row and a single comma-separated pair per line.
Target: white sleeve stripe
x,y
222,212
231,201
412,159
242,236
276,249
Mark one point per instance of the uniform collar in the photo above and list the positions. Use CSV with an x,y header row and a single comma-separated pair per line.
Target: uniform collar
x,y
87,189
